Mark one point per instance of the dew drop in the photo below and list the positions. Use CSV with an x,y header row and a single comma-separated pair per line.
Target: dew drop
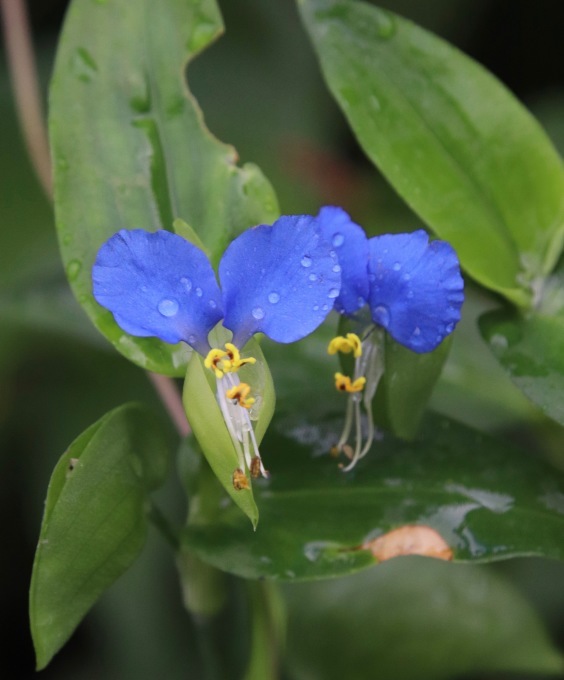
x,y
338,240
406,277
409,294
333,293
273,298
212,304
325,308
199,292
186,283
258,313
73,269
333,254
449,328
191,339
361,301
168,307
312,277
396,267
315,308
306,261
381,314
83,65
336,269
417,331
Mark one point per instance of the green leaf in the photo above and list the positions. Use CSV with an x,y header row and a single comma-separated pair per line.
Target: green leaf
x,y
131,150
94,524
530,349
486,498
455,144
407,384
208,425
453,621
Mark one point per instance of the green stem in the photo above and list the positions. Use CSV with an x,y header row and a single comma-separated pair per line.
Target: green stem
x,y
268,630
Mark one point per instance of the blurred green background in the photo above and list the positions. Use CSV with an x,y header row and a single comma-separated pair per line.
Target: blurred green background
x,y
261,90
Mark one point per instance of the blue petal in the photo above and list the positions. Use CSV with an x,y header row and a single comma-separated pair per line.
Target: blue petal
x,y
351,245
416,290
280,280
158,284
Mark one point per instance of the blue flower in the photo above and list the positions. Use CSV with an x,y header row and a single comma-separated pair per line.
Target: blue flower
x,y
280,280
414,291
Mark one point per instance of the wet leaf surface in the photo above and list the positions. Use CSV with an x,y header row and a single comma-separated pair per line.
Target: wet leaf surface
x,y
486,498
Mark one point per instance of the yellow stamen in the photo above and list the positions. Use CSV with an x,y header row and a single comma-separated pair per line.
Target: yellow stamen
x,y
240,394
215,361
228,361
235,361
344,384
348,344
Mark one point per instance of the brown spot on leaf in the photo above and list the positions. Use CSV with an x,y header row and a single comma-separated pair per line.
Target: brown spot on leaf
x,y
411,539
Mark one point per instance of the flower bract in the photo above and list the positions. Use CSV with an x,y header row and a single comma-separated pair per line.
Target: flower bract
x,y
413,290
280,280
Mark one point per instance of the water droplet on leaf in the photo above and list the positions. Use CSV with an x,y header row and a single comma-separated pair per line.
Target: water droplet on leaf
x,y
73,269
83,65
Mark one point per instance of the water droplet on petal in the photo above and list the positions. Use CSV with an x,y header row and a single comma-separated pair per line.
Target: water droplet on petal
x,y
315,308
406,277
306,261
336,269
186,283
333,293
338,240
199,292
449,328
396,267
409,294
212,304
312,277
381,314
191,339
273,298
168,307
417,331
372,278
333,254
325,308
258,313
361,301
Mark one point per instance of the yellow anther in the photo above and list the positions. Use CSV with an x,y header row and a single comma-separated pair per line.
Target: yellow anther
x,y
228,361
344,384
234,356
348,344
215,361
240,394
